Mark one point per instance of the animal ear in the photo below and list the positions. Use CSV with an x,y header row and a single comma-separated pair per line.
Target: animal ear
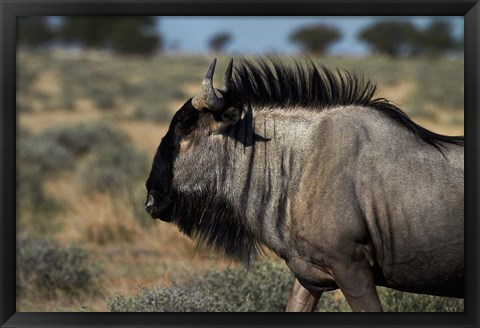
x,y
231,116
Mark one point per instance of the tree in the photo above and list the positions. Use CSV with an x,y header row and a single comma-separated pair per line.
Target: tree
x,y
315,38
135,35
125,35
219,42
460,44
392,38
437,38
89,32
34,31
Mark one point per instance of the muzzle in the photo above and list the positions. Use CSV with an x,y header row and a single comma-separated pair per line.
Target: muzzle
x,y
159,207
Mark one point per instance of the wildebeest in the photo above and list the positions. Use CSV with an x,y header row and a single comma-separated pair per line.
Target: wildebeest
x,y
346,188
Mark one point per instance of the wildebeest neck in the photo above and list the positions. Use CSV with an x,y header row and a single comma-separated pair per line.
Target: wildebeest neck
x,y
245,190
268,169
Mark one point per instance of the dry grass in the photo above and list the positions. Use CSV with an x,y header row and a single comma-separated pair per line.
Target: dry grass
x,y
144,135
133,251
48,83
442,128
398,93
40,121
442,121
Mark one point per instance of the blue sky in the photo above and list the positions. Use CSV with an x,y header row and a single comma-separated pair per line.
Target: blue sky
x,y
256,35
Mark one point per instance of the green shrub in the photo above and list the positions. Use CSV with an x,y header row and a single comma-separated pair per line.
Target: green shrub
x,y
264,287
46,268
29,186
172,299
27,72
44,153
66,100
36,211
105,97
395,301
441,84
152,113
38,158
107,162
84,137
113,169
103,159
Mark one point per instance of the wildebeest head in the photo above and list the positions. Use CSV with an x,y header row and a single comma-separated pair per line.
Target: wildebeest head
x,y
209,111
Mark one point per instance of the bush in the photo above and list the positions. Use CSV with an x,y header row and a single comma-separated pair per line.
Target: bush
x,y
35,210
105,94
38,158
107,161
152,114
29,186
45,154
173,299
395,301
44,267
82,138
26,74
113,169
265,287
447,94
110,164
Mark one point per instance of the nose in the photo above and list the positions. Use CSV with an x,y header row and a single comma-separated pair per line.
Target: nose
x,y
149,204
150,201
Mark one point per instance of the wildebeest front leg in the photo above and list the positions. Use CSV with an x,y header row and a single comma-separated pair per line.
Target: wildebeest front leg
x,y
301,299
356,283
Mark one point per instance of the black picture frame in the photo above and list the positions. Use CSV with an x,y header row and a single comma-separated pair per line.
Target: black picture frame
x,y
10,9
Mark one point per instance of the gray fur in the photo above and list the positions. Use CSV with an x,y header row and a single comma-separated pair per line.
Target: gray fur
x,y
326,184
348,195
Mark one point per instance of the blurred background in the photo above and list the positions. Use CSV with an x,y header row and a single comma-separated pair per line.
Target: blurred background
x,y
95,96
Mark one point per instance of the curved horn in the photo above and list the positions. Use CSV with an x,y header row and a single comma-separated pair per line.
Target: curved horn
x,y
228,76
207,97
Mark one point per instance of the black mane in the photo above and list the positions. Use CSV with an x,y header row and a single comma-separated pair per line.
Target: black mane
x,y
274,84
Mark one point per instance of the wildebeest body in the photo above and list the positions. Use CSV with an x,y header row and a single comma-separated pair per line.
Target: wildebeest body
x,y
348,196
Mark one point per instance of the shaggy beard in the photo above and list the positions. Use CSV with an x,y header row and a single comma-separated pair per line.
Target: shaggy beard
x,y
214,222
